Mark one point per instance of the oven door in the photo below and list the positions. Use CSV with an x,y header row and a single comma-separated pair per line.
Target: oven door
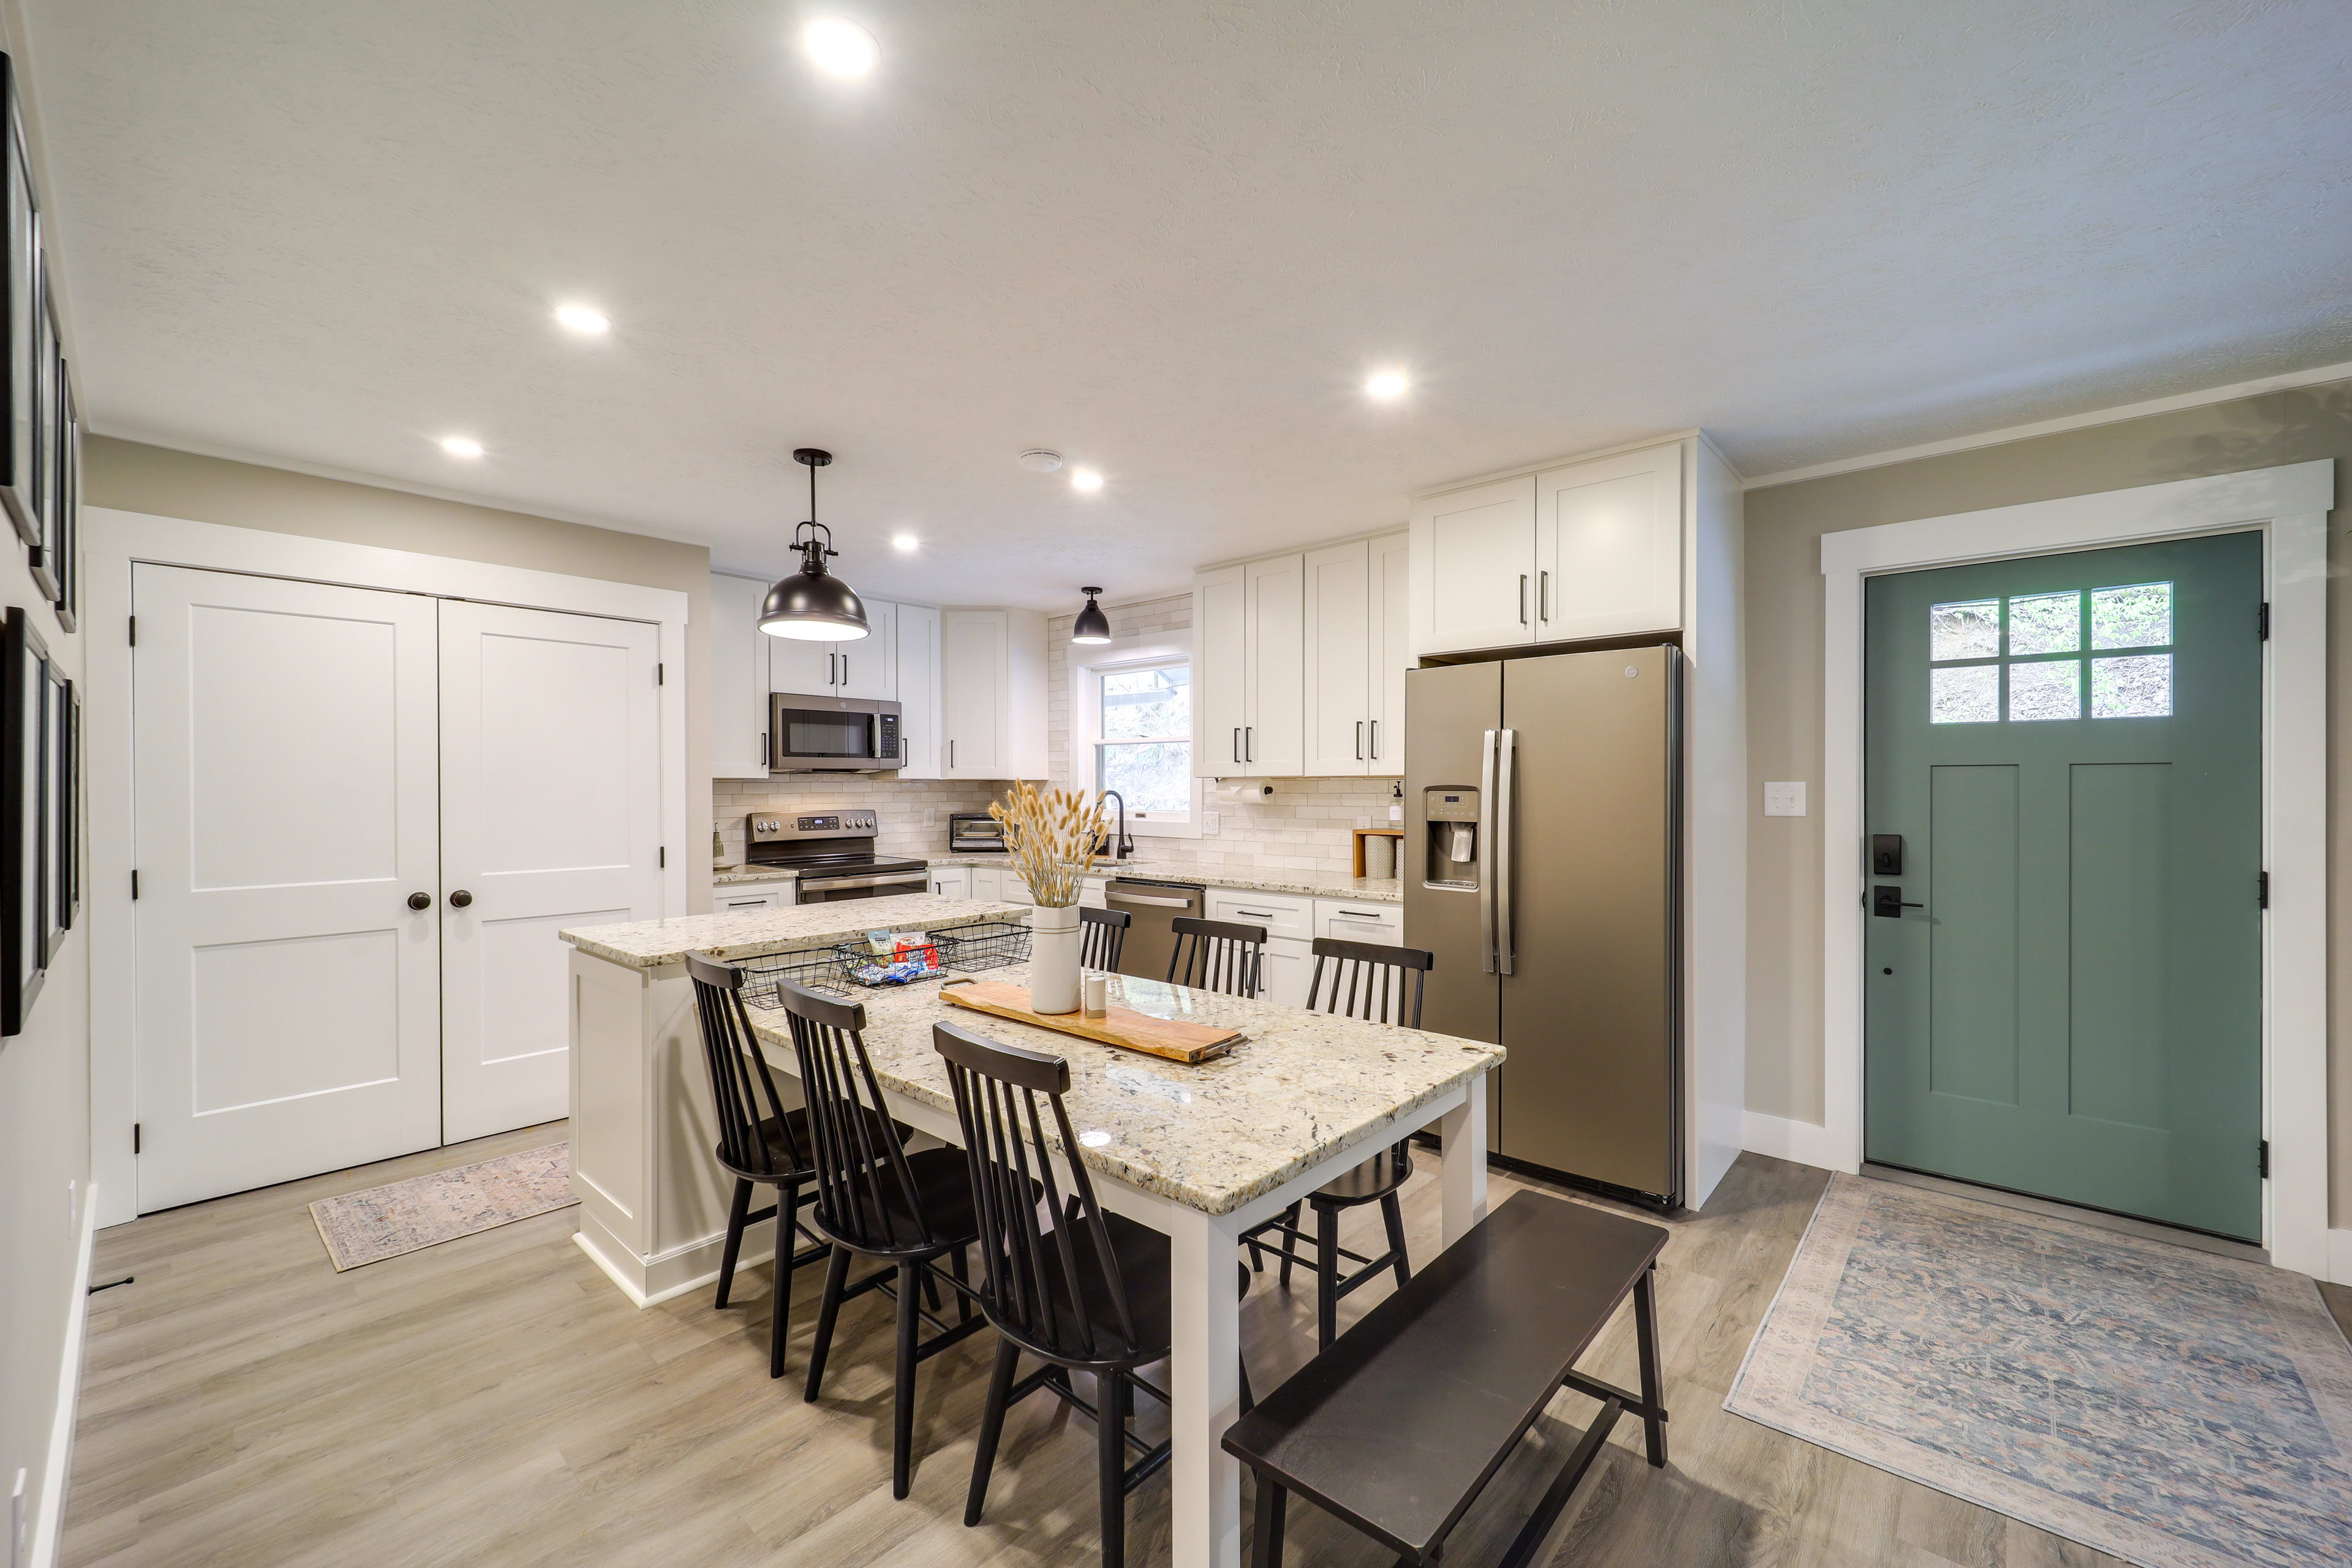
x,y
822,890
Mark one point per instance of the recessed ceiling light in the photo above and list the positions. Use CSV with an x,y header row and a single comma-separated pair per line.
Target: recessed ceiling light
x,y
1085,479
1038,460
904,543
580,319
1388,383
844,48
461,445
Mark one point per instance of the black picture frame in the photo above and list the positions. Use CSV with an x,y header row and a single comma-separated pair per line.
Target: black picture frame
x,y
41,555
18,287
68,536
24,925
56,811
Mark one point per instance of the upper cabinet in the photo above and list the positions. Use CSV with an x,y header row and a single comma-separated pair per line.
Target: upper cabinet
x,y
1298,664
1584,551
992,694
866,667
917,662
739,678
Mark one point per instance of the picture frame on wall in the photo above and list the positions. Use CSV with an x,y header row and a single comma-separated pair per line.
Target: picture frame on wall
x,y
56,811
23,834
41,554
19,276
69,535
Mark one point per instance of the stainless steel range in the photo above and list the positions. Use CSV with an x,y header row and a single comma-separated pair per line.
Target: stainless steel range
x,y
834,853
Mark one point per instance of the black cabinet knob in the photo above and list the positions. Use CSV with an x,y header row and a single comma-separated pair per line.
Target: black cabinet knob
x,y
420,900
460,899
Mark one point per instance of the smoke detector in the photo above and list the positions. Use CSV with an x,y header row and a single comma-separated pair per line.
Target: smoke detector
x,y
1038,460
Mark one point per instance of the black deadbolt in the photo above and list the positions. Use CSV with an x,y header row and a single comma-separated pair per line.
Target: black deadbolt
x,y
460,899
1887,854
420,900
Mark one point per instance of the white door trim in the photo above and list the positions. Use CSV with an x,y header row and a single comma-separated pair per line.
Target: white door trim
x,y
2290,504
112,540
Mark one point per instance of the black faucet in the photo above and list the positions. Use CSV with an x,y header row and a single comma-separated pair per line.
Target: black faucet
x,y
1122,847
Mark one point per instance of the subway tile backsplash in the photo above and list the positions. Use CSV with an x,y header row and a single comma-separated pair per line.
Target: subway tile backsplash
x,y
1307,825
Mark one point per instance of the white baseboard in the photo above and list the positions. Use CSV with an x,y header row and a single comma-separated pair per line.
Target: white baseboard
x,y
1806,1142
50,1527
652,1281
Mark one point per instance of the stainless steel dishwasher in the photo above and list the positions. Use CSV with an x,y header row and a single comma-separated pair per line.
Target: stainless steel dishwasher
x,y
1151,942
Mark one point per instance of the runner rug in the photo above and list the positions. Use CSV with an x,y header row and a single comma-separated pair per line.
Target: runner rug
x,y
424,1211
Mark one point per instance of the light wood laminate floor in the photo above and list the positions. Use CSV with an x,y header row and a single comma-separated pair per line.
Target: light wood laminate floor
x,y
495,1400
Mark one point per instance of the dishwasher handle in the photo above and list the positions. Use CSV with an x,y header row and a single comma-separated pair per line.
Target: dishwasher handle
x,y
1119,898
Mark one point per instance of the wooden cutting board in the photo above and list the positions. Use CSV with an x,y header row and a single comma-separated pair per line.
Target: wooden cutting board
x,y
1168,1039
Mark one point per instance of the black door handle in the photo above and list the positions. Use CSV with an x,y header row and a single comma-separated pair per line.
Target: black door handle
x,y
460,899
1888,902
420,900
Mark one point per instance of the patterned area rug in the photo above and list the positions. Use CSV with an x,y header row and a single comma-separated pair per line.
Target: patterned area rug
x,y
424,1211
2175,1409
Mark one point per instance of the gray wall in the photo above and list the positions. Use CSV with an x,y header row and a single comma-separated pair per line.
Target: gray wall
x,y
1785,523
167,483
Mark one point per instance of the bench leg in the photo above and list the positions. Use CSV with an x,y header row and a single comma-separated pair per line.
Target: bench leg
x,y
1645,1328
1266,1550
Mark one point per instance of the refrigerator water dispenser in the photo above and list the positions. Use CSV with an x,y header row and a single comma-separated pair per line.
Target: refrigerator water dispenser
x,y
1452,813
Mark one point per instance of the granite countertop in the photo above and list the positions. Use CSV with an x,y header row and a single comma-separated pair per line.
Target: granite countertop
x,y
753,874
1301,884
648,944
1302,1086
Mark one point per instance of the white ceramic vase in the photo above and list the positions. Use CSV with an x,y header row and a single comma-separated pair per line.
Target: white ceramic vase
x,y
1054,959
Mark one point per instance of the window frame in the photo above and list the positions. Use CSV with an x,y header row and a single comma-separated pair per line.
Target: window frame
x,y
1155,651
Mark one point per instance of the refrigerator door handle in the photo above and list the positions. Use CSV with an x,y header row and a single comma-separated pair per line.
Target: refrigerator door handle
x,y
1486,848
1506,940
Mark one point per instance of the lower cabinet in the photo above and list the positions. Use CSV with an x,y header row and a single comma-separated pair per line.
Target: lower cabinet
x,y
952,881
1289,963
727,901
1351,921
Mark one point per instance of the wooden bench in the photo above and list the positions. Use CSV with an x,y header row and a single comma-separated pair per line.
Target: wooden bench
x,y
1402,1422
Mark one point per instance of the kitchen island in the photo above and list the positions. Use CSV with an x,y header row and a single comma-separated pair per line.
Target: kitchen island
x,y
1201,1153
653,1202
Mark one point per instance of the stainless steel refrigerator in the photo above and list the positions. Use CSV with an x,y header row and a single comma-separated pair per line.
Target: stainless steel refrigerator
x,y
1542,866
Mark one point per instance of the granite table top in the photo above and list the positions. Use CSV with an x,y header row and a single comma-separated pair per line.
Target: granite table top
x,y
752,933
1301,1088
1299,883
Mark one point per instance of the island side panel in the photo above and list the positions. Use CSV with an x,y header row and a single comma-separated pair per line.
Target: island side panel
x,y
691,1189
609,1172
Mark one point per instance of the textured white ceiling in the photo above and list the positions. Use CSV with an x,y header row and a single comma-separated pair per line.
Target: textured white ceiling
x,y
1169,240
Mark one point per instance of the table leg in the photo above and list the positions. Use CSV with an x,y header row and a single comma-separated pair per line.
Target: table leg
x,y
1203,1378
1463,1128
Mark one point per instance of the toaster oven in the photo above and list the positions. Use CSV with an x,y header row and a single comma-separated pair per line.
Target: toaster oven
x,y
974,833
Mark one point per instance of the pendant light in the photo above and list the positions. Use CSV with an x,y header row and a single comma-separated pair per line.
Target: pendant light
x,y
812,605
1092,625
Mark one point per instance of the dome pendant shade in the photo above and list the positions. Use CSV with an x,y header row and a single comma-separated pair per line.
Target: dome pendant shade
x,y
812,605
1092,625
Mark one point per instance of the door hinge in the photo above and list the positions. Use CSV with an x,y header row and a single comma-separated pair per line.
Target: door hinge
x,y
657,675
2263,1157
664,856
2263,621
134,887
2262,890
134,631
134,1138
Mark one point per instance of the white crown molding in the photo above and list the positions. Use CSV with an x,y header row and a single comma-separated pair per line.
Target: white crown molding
x,y
386,482
2312,377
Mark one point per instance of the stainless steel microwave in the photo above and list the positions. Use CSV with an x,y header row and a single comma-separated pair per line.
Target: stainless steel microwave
x,y
833,735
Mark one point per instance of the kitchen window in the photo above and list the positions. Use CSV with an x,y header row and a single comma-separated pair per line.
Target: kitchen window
x,y
1144,740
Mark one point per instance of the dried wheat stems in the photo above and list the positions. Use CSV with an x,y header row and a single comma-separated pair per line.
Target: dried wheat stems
x,y
1051,836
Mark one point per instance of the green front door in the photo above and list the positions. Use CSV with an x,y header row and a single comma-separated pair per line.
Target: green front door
x,y
2067,1001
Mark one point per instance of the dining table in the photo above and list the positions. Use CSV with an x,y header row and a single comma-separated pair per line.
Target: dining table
x,y
1202,1153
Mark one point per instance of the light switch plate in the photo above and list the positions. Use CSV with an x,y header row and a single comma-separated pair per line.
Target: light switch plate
x,y
1785,799
1208,822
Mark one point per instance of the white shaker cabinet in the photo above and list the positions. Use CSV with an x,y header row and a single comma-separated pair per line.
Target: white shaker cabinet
x,y
917,658
1608,546
992,694
1220,674
952,881
863,667
739,678
803,668
1356,633
1249,671
1579,550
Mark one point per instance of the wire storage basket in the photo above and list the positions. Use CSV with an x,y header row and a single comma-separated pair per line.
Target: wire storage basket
x,y
819,970
986,944
917,956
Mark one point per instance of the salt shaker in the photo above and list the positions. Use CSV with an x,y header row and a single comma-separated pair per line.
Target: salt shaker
x,y
1094,995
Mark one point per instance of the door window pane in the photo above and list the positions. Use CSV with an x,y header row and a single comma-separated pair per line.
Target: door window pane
x,y
2045,623
2050,690
1970,695
2140,615
1970,629
1150,776
2135,688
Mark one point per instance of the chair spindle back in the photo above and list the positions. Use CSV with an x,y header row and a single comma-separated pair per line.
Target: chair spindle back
x,y
865,1193
1102,936
1378,984
741,1085
1216,955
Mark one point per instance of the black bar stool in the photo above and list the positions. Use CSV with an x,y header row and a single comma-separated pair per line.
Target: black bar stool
x,y
1380,985
761,1143
1216,955
1090,1294
875,1200
1102,936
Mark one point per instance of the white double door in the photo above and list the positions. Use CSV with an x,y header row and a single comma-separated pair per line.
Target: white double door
x,y
313,762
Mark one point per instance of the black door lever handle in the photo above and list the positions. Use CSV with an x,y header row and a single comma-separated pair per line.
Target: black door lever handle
x,y
1888,902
